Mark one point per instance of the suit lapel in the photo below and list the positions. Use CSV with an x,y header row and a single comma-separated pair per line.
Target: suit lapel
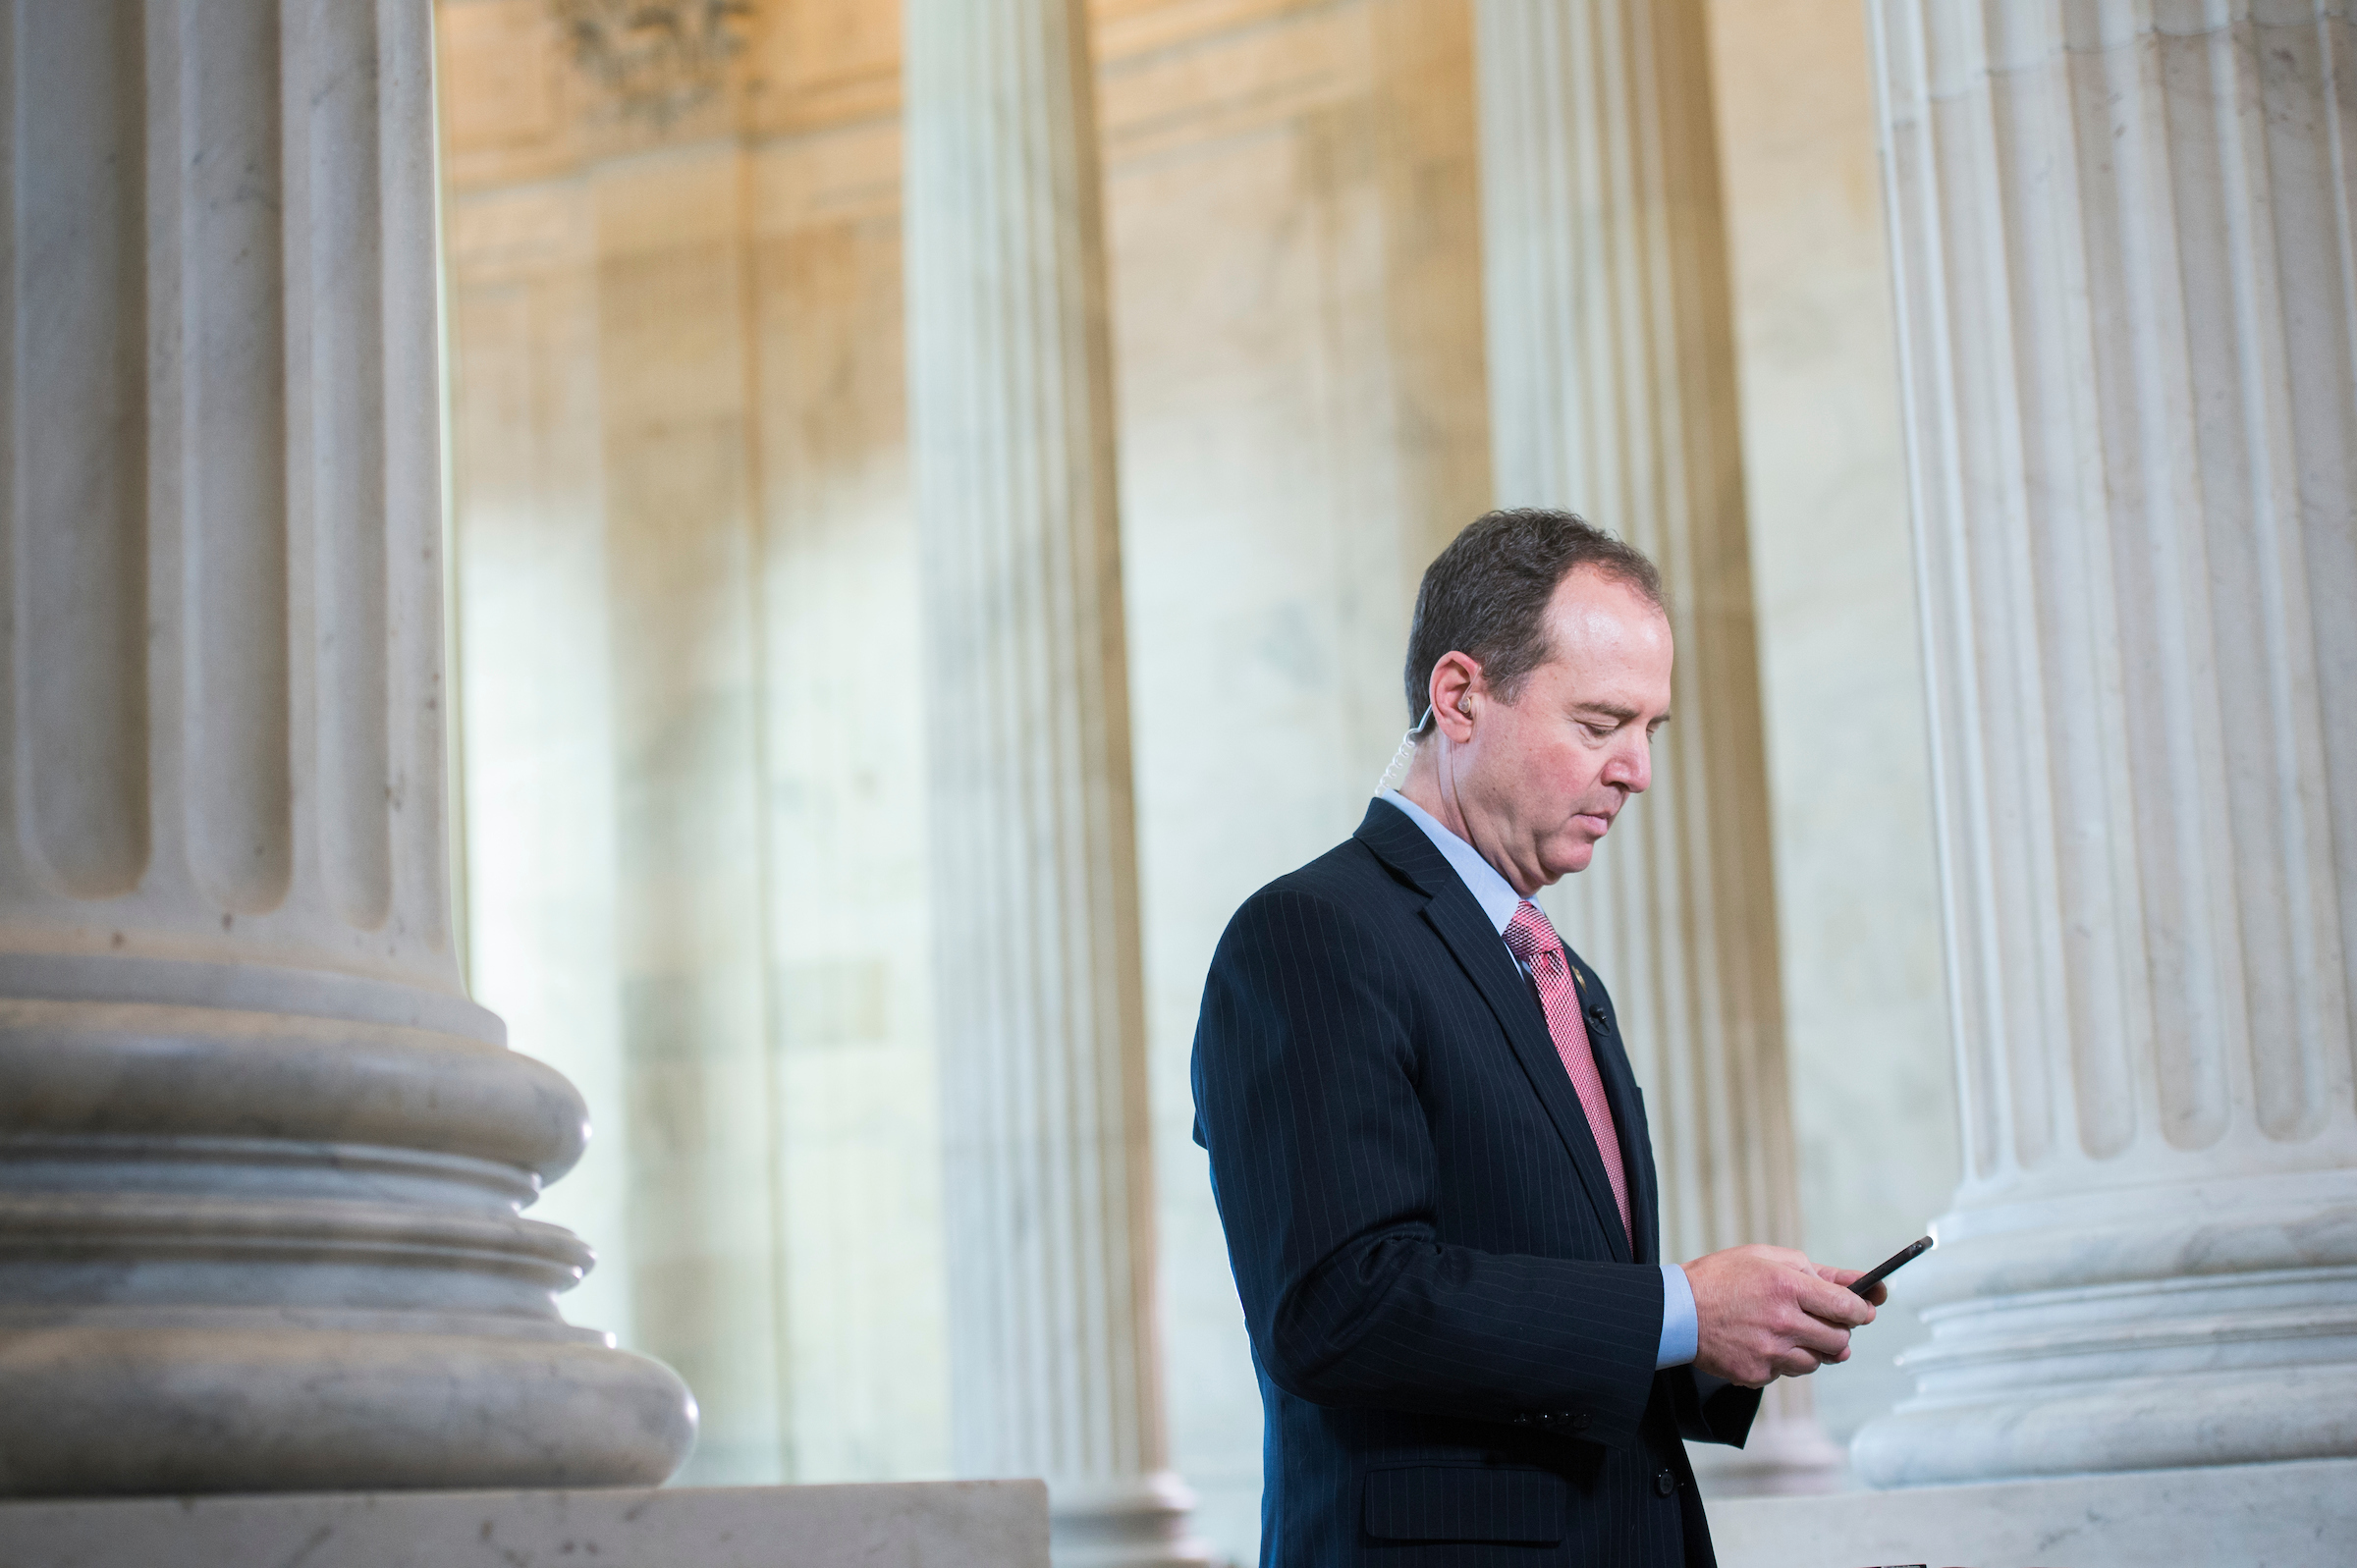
x,y
1457,918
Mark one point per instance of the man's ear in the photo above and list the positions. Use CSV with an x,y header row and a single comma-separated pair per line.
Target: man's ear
x,y
1456,692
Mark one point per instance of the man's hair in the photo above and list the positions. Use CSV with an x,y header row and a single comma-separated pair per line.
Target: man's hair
x,y
1486,595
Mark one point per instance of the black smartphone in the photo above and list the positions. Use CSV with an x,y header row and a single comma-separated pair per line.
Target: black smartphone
x,y
1890,1265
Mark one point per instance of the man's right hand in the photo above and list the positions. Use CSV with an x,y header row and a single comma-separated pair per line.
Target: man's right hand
x,y
1763,1312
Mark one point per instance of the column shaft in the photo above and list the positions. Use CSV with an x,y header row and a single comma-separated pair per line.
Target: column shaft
x,y
1042,1032
261,1161
2125,274
1613,393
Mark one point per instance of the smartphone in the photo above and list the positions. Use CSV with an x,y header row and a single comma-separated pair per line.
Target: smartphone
x,y
1890,1265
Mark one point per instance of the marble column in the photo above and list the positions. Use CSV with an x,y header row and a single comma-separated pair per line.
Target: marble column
x,y
262,1162
2127,278
1613,394
1034,865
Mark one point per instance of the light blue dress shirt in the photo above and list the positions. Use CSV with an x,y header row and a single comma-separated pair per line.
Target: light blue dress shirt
x,y
1680,1328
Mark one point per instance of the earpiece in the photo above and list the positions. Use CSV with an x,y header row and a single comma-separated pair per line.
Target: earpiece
x,y
1406,752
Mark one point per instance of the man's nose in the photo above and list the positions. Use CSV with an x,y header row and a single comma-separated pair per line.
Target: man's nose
x,y
1631,766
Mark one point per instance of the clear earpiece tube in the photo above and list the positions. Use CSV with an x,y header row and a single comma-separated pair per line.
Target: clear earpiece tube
x,y
1406,752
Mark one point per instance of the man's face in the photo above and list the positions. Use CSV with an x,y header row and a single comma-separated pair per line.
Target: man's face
x,y
1543,776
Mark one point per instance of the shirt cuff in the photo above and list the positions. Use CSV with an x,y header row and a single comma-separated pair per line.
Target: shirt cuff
x,y
1682,1330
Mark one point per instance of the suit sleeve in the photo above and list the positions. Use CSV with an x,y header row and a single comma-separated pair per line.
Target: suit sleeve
x,y
1323,1165
1725,1417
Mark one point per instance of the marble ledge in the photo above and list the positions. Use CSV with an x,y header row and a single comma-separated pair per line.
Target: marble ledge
x,y
950,1524
2295,1515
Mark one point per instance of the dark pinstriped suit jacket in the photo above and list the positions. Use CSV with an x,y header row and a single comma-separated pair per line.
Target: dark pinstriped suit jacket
x,y
1454,1337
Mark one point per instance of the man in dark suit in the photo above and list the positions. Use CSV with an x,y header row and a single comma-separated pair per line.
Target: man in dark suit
x,y
1428,1149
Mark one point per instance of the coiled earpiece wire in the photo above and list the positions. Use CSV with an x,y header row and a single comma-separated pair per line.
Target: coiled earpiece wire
x,y
1406,756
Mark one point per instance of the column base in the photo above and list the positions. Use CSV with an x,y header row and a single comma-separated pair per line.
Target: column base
x,y
110,1403
245,1251
1134,1524
989,1524
2281,1516
2086,1334
2232,1417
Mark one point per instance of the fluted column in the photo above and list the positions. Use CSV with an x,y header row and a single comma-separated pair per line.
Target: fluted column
x,y
1034,886
1613,394
2123,243
261,1161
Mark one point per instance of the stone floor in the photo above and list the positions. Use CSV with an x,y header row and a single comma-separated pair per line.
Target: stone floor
x,y
970,1524
2300,1515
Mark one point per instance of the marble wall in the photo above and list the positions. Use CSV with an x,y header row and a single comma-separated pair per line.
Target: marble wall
x,y
688,626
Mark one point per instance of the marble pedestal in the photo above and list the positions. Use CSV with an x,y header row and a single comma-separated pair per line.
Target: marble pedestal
x,y
2300,1515
969,1524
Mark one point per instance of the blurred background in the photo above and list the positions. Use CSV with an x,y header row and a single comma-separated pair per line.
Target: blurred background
x,y
689,640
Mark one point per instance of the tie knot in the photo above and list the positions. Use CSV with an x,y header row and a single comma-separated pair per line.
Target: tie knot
x,y
1531,934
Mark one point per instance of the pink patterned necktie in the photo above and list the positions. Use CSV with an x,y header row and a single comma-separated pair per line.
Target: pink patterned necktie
x,y
1533,941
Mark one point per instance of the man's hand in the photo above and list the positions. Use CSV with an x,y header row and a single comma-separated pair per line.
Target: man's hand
x,y
1767,1312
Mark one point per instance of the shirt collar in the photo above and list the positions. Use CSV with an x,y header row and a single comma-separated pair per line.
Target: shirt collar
x,y
1495,895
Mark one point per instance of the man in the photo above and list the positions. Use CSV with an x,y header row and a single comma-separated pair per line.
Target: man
x,y
1429,1152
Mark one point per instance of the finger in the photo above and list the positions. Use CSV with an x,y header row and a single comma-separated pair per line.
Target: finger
x,y
1820,1339
1835,1305
1876,1293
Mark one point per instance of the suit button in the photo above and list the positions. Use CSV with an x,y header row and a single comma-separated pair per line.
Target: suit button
x,y
1581,1422
1597,1012
1521,1417
1664,1482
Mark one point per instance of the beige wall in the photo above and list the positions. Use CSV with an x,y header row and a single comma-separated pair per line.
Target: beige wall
x,y
688,610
